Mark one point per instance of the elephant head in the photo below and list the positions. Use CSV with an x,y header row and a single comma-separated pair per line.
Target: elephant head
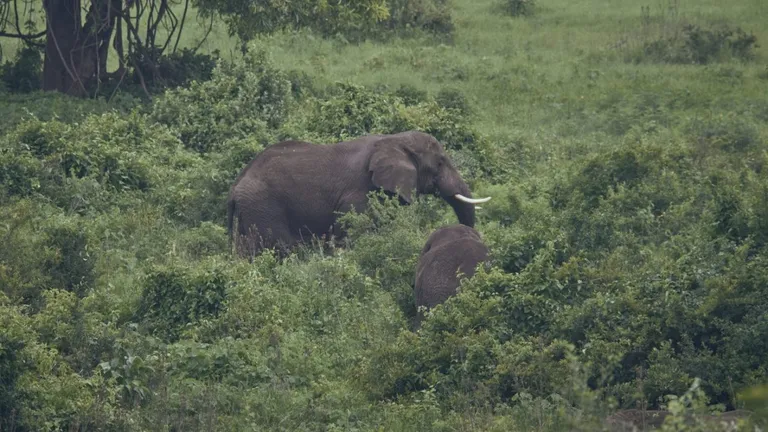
x,y
411,161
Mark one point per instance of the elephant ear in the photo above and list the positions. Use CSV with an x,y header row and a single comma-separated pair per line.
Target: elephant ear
x,y
392,169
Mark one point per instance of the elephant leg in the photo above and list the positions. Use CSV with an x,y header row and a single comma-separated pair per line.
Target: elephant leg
x,y
356,201
268,230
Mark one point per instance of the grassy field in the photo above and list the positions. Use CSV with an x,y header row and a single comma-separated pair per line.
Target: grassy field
x,y
627,228
531,76
549,53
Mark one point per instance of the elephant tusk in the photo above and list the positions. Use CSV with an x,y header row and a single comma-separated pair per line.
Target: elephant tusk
x,y
461,197
478,208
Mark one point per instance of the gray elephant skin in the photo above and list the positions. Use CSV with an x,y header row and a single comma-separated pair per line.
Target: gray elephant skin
x,y
448,252
295,189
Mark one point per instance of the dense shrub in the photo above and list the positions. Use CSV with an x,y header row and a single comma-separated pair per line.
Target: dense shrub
x,y
43,250
23,74
41,156
14,336
46,106
342,22
352,112
244,98
517,8
451,98
72,266
355,110
47,393
627,233
176,69
410,95
178,296
679,42
434,16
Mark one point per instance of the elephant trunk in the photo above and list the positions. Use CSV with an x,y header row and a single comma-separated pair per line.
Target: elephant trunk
x,y
464,211
455,191
451,184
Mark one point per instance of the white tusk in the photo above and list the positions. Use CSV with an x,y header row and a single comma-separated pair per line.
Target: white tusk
x,y
461,197
478,208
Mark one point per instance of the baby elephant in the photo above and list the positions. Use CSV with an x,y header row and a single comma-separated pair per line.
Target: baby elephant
x,y
449,249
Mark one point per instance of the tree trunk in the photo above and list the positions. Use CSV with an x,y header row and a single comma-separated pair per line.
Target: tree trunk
x,y
76,52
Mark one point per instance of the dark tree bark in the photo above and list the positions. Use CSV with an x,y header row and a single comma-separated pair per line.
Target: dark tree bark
x,y
75,51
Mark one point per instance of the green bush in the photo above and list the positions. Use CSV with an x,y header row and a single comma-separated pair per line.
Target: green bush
x,y
450,98
730,133
173,70
627,233
351,112
355,110
410,95
46,106
433,16
387,239
89,150
43,250
693,44
14,336
72,267
517,8
45,392
24,73
244,98
177,296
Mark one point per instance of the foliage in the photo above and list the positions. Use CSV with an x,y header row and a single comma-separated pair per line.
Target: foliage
x,y
242,98
451,98
517,8
46,106
349,20
173,298
23,74
627,233
701,46
354,110
434,16
669,38
179,68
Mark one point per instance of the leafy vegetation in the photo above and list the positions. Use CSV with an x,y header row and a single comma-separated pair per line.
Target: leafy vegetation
x,y
627,231
519,7
142,37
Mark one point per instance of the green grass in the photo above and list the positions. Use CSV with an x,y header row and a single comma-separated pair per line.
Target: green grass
x,y
629,210
518,72
541,78
195,29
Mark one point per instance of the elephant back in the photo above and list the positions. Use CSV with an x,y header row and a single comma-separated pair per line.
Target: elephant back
x,y
447,252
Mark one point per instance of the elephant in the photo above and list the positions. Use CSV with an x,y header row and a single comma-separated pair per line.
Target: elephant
x,y
449,250
294,190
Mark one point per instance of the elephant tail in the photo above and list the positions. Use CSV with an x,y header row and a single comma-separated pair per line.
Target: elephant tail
x,y
231,210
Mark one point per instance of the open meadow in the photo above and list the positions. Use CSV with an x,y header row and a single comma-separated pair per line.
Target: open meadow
x,y
625,148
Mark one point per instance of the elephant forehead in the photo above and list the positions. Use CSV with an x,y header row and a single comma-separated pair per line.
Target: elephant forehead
x,y
455,238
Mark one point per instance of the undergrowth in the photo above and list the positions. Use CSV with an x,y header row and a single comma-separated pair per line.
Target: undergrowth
x,y
627,235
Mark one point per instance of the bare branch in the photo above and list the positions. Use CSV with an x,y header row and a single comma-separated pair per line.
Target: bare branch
x,y
141,79
16,17
205,37
171,22
26,37
181,26
123,71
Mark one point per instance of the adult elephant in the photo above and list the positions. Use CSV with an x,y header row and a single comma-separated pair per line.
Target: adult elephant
x,y
448,252
295,189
